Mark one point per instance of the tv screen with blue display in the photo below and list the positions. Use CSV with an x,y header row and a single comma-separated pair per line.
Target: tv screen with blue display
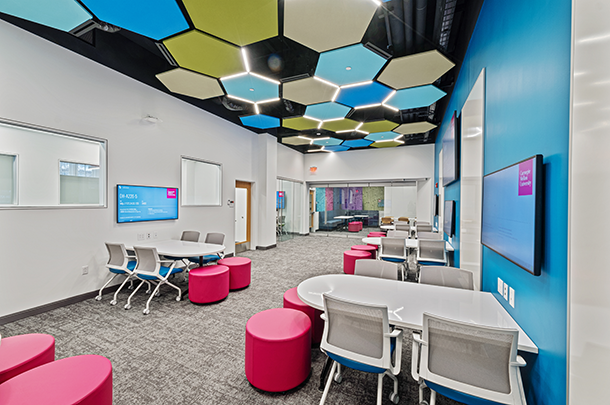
x,y
280,202
512,213
146,203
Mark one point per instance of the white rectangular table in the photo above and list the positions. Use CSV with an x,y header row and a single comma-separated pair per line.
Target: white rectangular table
x,y
411,243
407,302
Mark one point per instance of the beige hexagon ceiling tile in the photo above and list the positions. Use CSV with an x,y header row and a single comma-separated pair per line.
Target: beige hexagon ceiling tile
x,y
296,140
415,128
415,70
182,81
308,91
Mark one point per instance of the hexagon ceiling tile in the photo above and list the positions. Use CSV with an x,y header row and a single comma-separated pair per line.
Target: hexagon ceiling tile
x,y
378,126
252,87
189,83
336,148
63,15
415,97
260,121
415,70
327,142
241,22
299,123
296,140
323,24
308,91
387,144
357,143
352,64
415,128
156,19
326,111
205,54
382,136
340,125
363,95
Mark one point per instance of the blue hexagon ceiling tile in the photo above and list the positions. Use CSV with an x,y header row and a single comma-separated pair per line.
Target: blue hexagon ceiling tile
x,y
352,64
336,148
251,87
260,121
156,19
326,111
382,136
415,97
357,143
63,15
363,95
327,141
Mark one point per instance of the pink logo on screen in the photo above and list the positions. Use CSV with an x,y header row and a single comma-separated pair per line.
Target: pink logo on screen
x,y
526,177
171,193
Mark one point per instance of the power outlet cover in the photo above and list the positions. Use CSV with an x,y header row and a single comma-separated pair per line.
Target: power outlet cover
x,y
505,294
500,286
511,297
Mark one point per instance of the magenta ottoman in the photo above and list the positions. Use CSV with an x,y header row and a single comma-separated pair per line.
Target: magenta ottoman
x,y
372,249
82,380
239,271
350,257
353,227
208,284
292,300
278,349
21,353
376,234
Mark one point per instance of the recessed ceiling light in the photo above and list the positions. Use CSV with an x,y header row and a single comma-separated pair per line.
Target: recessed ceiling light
x,y
348,68
251,89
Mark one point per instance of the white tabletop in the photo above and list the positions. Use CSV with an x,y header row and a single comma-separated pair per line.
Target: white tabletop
x,y
361,216
181,248
407,302
411,243
388,227
344,217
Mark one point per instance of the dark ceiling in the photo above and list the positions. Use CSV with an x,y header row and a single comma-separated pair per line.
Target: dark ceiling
x,y
398,28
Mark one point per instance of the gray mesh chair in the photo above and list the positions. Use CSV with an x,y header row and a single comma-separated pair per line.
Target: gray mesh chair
x,y
149,269
214,238
398,234
119,264
403,226
376,268
461,360
394,250
420,227
359,336
188,236
431,252
446,276
429,235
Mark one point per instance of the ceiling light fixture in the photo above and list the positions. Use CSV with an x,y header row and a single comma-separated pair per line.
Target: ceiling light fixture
x,y
325,82
344,131
347,86
271,100
151,120
265,78
307,138
390,107
241,99
256,109
348,68
320,124
311,118
367,106
233,76
323,138
334,119
385,140
336,94
362,132
377,2
244,56
359,125
389,97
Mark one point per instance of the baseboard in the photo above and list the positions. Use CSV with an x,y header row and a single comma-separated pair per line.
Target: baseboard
x,y
54,305
266,247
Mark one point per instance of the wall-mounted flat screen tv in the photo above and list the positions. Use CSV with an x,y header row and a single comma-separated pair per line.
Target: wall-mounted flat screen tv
x,y
280,202
512,213
449,218
146,203
451,152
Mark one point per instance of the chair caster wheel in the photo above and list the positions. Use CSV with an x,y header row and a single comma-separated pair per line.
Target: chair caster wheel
x,y
157,293
127,306
146,311
98,298
178,298
130,287
338,378
113,302
423,403
394,398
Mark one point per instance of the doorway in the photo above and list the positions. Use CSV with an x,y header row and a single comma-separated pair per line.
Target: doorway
x,y
242,215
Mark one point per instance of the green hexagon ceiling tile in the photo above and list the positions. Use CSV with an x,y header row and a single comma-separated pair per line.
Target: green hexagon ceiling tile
x,y
241,22
300,123
189,83
378,126
205,54
344,124
387,144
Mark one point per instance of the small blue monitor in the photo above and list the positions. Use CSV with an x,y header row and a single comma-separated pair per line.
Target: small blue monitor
x,y
146,203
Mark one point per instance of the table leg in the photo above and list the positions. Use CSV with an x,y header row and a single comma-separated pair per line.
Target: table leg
x,y
324,374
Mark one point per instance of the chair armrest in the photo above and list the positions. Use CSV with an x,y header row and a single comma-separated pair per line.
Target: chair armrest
x,y
131,256
519,363
396,333
417,342
323,316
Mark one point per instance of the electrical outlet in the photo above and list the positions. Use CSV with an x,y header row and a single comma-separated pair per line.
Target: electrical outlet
x,y
505,294
500,286
141,236
85,270
511,297
148,235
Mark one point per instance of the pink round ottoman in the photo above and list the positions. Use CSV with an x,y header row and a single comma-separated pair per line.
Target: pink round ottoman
x,y
24,352
278,349
292,300
376,234
208,284
82,380
372,249
350,257
239,271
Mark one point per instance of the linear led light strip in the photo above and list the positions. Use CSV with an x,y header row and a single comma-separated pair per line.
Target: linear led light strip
x,y
397,139
320,150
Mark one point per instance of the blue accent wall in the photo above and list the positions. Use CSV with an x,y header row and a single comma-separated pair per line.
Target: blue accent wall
x,y
524,46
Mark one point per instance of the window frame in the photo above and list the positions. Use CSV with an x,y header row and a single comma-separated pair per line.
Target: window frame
x,y
15,202
184,187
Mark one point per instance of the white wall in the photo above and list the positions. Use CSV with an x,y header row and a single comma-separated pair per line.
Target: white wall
x,y
424,200
589,301
410,162
290,163
43,250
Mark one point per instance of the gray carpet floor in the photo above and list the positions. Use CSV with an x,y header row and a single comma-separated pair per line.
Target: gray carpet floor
x,y
183,353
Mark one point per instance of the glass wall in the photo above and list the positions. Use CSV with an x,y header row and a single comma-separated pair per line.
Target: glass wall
x,y
289,209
